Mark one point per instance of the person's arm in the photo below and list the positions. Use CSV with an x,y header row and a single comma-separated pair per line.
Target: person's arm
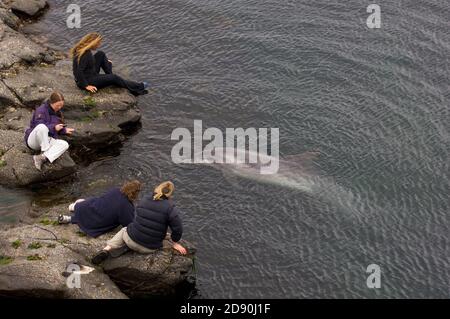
x,y
66,130
63,131
42,117
126,217
176,225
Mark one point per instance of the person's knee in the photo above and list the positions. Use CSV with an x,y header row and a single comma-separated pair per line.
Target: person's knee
x,y
41,127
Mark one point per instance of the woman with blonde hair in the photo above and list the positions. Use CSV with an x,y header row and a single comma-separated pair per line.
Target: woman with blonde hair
x,y
87,66
98,215
155,213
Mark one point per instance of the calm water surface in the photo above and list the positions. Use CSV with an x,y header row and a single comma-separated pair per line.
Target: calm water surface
x,y
374,103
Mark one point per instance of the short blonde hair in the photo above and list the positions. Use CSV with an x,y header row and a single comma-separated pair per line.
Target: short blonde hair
x,y
165,189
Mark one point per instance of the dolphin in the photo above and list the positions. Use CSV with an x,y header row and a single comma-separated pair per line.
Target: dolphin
x,y
294,171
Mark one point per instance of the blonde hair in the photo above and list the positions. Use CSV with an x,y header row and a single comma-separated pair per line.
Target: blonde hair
x,y
164,189
131,190
88,42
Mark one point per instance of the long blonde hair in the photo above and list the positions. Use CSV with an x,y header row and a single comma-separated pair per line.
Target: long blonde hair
x,y
164,189
88,42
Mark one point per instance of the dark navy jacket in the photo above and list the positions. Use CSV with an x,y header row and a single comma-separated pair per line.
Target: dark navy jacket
x,y
85,69
153,217
44,114
99,215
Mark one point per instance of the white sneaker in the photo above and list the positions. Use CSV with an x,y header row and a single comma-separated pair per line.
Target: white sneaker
x,y
39,160
64,219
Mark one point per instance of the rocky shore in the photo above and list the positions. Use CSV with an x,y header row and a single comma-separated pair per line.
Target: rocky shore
x,y
35,253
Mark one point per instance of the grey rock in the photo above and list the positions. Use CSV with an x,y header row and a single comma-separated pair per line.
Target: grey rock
x,y
36,84
9,18
158,274
38,272
98,118
16,48
99,130
17,167
16,119
29,7
7,98
136,275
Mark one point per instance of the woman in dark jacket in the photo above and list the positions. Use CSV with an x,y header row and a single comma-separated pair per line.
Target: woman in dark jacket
x,y
147,233
87,66
98,215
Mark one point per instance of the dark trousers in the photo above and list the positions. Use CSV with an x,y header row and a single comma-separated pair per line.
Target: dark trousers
x,y
104,80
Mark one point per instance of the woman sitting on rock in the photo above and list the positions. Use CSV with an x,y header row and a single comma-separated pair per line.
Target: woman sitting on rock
x,y
147,233
86,68
98,215
46,124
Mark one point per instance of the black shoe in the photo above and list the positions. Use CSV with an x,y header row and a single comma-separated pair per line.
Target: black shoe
x,y
100,257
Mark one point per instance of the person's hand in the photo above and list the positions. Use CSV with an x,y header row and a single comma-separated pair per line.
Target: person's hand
x,y
70,131
91,88
59,127
179,248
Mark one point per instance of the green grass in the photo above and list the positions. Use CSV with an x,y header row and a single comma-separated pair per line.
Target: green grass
x,y
89,102
5,260
64,241
48,222
86,119
95,114
34,257
35,245
51,246
81,234
2,161
16,244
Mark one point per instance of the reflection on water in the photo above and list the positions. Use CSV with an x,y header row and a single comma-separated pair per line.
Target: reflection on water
x,y
13,204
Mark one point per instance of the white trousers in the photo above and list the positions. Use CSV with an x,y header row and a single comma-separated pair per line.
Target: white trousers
x,y
40,141
72,206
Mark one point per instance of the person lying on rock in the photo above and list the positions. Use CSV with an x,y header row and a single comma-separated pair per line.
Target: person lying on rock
x,y
46,125
98,215
87,66
148,231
